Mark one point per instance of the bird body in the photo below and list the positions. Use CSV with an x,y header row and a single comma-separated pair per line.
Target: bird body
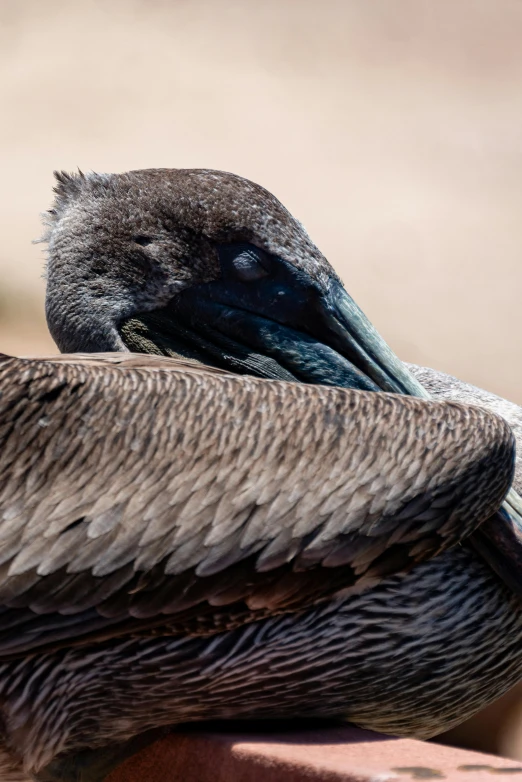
x,y
406,658
181,543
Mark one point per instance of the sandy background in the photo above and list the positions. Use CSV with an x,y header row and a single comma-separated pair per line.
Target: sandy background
x,y
392,129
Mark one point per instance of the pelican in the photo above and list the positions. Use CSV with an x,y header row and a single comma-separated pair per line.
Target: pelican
x,y
228,498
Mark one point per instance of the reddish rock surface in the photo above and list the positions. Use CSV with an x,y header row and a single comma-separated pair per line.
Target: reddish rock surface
x,y
330,755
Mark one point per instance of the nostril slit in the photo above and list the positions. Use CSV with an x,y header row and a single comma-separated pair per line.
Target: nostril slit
x,y
142,240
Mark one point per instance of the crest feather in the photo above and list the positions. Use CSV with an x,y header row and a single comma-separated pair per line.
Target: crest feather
x,y
68,185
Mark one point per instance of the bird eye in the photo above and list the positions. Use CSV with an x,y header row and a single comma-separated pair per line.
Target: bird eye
x,y
142,240
247,262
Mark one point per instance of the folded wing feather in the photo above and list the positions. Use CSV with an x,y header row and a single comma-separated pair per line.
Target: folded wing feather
x,y
144,494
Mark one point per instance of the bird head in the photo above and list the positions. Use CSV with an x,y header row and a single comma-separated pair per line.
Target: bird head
x,y
209,266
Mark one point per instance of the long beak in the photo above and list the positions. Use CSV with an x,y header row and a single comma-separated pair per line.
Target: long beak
x,y
285,328
358,337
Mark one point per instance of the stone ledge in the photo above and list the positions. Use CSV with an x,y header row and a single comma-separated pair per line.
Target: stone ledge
x,y
330,755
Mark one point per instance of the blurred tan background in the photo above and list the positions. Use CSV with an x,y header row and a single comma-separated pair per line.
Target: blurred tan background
x,y
391,128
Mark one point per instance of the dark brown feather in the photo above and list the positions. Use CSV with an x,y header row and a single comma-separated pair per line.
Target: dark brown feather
x,y
155,492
